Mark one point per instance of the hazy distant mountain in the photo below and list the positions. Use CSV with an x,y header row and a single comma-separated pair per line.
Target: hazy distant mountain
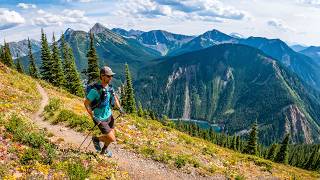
x,y
21,48
125,33
163,41
205,40
313,52
298,47
233,85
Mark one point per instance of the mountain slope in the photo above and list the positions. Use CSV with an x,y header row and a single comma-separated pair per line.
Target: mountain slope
x,y
205,40
233,85
306,68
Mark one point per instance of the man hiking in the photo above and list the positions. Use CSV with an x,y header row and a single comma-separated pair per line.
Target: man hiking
x,y
102,92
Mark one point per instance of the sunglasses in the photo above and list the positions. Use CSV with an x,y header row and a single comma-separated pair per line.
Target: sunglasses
x,y
107,75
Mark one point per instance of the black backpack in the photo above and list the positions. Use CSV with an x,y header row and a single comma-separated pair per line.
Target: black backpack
x,y
103,94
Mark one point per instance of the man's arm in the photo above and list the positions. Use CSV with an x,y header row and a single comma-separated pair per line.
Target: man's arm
x,y
87,105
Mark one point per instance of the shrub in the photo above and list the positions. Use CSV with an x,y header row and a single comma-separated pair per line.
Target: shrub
x,y
29,156
76,171
54,105
50,153
180,161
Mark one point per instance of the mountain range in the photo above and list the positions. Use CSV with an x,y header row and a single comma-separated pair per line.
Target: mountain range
x,y
234,86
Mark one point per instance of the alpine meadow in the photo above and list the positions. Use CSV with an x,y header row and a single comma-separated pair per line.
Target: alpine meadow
x,y
153,89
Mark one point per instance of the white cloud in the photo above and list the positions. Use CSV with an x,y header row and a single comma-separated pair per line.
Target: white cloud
x,y
310,2
9,19
278,24
83,1
207,10
67,16
26,6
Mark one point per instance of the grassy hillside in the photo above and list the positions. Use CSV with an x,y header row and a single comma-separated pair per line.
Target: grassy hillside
x,y
28,152
147,137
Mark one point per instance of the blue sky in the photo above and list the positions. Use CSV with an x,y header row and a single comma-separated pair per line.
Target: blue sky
x,y
294,21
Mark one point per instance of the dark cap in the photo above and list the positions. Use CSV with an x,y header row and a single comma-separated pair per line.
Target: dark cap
x,y
106,70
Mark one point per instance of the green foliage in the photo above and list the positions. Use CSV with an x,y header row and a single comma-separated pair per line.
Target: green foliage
x,y
129,103
19,66
6,56
93,62
253,141
53,106
282,155
239,177
29,156
73,120
76,170
47,62
74,85
272,151
180,161
56,69
21,133
33,71
140,110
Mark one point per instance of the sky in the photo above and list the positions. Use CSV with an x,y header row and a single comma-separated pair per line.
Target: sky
x,y
293,21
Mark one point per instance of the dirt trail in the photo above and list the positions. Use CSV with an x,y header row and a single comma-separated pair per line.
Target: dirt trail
x,y
137,166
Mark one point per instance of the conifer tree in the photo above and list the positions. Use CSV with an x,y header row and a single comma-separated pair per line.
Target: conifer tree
x,y
140,110
93,65
74,85
1,54
6,56
252,145
57,71
122,95
272,152
33,71
130,104
282,155
234,143
18,65
47,63
238,143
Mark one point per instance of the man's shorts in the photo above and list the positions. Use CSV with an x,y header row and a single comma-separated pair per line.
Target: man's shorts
x,y
105,126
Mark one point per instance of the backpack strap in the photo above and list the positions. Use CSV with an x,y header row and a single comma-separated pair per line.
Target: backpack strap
x,y
98,88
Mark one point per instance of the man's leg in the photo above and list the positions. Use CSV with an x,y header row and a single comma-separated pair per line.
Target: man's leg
x,y
107,139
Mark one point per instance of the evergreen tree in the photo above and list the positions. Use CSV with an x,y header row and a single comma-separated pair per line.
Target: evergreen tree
x,y
234,143
33,71
140,110
252,145
93,67
312,159
272,152
130,104
57,71
238,143
18,65
282,155
74,85
46,73
6,56
1,54
122,95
